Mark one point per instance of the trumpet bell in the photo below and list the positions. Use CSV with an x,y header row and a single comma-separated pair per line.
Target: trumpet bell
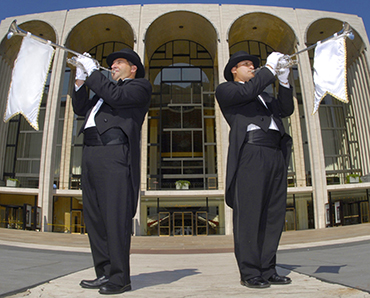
x,y
15,30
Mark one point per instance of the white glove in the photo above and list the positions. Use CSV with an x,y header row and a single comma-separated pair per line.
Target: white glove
x,y
272,61
80,73
88,63
283,75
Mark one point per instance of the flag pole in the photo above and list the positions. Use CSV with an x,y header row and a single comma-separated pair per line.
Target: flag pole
x,y
15,30
286,60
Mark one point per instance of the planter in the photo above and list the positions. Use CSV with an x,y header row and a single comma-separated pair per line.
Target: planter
x,y
12,182
354,179
182,184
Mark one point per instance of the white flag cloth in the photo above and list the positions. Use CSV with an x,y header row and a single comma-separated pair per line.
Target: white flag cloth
x,y
28,80
330,71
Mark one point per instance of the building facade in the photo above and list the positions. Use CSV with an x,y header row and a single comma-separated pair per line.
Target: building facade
x,y
184,48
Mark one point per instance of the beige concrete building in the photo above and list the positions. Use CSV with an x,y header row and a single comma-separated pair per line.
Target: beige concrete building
x,y
184,48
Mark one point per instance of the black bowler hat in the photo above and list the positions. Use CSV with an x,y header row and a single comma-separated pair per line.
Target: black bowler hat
x,y
131,56
235,59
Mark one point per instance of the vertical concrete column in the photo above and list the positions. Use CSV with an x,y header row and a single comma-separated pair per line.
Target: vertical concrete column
x,y
296,134
49,140
65,159
139,48
316,149
222,128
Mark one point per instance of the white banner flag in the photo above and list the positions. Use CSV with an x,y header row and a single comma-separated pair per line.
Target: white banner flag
x,y
28,80
330,71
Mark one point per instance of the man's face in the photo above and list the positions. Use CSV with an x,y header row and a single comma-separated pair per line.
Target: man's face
x,y
121,69
243,71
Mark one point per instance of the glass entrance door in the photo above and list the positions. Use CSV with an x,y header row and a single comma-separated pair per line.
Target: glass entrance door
x,y
77,224
182,223
364,206
290,223
164,228
202,223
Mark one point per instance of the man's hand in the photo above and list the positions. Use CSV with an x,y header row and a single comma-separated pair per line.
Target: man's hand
x,y
272,61
80,73
88,63
283,75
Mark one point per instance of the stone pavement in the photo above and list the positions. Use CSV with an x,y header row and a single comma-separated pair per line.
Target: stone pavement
x,y
189,266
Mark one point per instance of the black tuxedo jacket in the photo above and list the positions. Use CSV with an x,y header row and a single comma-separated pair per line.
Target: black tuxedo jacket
x,y
125,106
240,106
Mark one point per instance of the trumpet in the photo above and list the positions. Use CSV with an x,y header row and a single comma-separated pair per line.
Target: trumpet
x,y
286,61
15,30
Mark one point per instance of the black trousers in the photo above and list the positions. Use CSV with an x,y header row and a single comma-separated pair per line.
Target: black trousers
x,y
107,203
259,209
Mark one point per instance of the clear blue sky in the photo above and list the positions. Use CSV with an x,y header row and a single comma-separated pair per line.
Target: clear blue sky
x,y
11,8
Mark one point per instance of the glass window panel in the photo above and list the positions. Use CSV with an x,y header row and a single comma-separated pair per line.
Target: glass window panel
x,y
203,55
208,100
35,167
181,141
171,74
200,48
77,139
9,159
192,117
181,93
185,60
191,74
60,132
171,118
156,100
181,47
193,50
155,73
12,132
76,160
41,118
166,141
57,160
98,52
166,93
169,50
22,166
159,55
201,62
29,145
108,49
206,74
254,48
198,141
192,168
66,82
161,63
62,111
25,126
171,167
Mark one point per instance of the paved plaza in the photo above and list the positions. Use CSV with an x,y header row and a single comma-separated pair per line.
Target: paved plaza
x,y
330,262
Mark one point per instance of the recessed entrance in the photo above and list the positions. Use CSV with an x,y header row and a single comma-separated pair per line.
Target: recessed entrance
x,y
177,222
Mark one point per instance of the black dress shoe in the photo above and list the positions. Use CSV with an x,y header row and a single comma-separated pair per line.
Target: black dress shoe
x,y
111,288
276,279
255,282
95,283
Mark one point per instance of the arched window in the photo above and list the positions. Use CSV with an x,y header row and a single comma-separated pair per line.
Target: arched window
x,y
181,138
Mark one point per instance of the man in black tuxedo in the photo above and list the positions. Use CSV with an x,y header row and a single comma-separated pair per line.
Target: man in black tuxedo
x,y
111,161
258,157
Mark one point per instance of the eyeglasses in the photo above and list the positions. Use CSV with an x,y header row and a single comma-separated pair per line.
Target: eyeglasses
x,y
246,63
